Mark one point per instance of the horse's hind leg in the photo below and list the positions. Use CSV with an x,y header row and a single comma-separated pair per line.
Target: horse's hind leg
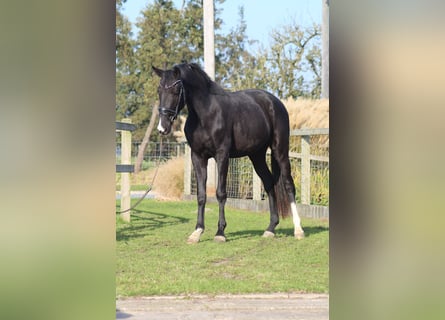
x,y
282,160
200,166
298,230
260,166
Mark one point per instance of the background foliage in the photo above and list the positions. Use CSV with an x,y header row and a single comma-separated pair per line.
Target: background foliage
x,y
289,67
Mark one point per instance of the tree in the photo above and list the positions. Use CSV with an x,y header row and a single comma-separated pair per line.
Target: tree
x,y
167,36
325,50
294,61
290,67
127,96
236,67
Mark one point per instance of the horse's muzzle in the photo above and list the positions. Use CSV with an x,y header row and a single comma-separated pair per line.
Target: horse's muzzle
x,y
164,130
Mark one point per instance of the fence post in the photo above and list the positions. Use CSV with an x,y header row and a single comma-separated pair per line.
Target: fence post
x,y
187,171
125,176
212,177
305,170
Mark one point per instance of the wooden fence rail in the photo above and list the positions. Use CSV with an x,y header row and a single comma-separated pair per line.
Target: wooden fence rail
x,y
306,158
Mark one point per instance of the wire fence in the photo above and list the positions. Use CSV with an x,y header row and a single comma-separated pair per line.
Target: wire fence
x,y
154,152
313,180
240,178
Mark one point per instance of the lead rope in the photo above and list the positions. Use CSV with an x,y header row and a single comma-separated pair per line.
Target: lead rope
x,y
150,187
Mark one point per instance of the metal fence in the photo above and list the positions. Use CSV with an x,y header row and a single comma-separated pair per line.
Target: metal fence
x,y
309,157
155,151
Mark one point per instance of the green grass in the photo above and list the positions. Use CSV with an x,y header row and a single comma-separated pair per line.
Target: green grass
x,y
153,257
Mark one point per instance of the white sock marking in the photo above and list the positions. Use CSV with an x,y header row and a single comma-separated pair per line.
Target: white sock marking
x,y
296,218
195,236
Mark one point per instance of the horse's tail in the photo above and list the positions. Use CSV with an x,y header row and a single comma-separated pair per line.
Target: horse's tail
x,y
281,195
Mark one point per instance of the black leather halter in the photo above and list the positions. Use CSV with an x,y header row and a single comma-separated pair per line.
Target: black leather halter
x,y
172,114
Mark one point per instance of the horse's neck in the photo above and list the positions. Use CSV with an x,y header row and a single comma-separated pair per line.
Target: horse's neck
x,y
198,105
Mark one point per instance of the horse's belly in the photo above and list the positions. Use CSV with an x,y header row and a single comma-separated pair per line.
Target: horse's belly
x,y
249,141
201,143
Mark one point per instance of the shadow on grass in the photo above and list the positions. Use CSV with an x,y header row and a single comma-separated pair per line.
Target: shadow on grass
x,y
143,221
308,232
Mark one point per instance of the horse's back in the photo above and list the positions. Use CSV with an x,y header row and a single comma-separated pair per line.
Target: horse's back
x,y
272,108
268,102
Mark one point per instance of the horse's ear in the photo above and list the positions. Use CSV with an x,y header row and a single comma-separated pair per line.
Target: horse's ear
x,y
159,72
176,72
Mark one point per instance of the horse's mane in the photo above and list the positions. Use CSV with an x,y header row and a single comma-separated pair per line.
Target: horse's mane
x,y
193,68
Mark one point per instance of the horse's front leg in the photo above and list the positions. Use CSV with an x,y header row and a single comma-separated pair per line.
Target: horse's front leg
x,y
221,194
200,167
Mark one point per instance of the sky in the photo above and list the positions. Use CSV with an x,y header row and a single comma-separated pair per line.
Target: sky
x,y
261,15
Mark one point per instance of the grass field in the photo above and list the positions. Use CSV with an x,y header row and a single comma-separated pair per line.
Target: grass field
x,y
153,257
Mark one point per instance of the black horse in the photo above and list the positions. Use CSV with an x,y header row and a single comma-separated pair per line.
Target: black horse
x,y
223,125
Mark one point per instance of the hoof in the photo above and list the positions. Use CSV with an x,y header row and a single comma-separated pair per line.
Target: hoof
x,y
220,239
268,234
191,240
195,236
299,235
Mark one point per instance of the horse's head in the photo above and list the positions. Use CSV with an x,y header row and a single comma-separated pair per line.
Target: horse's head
x,y
171,97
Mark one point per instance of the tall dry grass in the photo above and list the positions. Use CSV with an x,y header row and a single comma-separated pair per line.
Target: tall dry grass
x,y
305,113
169,180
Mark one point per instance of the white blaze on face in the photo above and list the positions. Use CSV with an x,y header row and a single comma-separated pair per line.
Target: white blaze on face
x,y
160,127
